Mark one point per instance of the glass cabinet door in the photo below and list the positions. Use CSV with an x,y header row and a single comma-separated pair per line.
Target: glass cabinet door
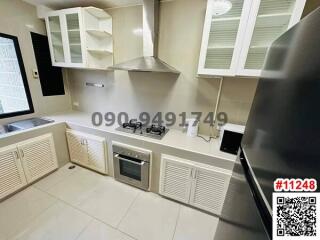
x,y
74,37
56,39
269,19
222,36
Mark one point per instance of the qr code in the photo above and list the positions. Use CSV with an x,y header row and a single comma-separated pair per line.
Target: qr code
x,y
296,215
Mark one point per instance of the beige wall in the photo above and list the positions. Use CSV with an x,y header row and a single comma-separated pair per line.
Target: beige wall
x,y
15,15
181,23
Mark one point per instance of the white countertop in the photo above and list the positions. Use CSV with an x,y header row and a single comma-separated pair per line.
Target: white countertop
x,y
174,138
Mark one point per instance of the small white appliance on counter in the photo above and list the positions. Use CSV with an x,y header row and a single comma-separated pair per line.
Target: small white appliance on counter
x,y
193,127
230,137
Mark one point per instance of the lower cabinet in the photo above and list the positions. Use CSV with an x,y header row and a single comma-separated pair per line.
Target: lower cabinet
x,y
199,185
38,157
25,162
12,176
87,150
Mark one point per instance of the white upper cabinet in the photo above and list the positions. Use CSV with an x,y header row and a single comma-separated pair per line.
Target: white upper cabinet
x,y
236,42
268,20
56,38
76,44
80,38
222,38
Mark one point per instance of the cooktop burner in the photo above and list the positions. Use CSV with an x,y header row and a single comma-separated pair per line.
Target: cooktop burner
x,y
132,125
156,129
135,127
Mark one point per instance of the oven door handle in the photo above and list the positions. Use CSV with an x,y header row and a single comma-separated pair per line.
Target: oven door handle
x,y
130,161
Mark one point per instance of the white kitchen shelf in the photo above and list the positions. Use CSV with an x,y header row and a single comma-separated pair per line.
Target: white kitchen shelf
x,y
225,19
285,14
84,37
259,47
100,51
98,33
220,47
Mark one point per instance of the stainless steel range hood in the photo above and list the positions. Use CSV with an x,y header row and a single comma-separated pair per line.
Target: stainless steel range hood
x,y
150,61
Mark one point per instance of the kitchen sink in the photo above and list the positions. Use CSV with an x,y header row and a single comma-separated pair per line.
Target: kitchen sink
x,y
26,124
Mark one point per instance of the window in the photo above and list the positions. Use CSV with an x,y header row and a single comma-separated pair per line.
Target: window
x,y
15,98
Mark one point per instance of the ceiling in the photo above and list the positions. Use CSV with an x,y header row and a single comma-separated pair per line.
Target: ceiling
x,y
59,4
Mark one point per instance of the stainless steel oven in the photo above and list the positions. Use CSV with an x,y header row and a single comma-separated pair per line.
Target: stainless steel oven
x,y
131,165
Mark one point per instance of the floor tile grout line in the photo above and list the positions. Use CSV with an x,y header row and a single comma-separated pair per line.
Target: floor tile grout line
x,y
117,227
83,230
64,178
89,215
126,213
32,220
75,207
177,220
127,234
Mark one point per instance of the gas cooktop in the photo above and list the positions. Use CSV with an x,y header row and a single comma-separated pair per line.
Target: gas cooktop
x,y
135,127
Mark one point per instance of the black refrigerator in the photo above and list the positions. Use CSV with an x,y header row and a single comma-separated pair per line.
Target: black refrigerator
x,y
282,136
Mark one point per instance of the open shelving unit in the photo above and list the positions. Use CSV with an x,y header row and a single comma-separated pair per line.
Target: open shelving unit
x,y
80,38
99,33
98,38
56,38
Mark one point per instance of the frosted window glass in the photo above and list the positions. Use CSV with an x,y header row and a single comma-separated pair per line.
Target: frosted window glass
x,y
13,96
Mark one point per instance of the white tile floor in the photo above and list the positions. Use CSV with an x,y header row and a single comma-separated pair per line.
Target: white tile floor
x,y
83,205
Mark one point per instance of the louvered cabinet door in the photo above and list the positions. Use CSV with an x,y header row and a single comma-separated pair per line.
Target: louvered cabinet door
x,y
209,188
12,176
268,20
77,149
96,154
38,157
175,179
222,38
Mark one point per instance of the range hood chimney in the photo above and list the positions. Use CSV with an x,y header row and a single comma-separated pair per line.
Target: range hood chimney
x,y
150,61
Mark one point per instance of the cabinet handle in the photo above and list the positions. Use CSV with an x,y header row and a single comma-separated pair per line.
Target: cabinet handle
x,y
22,153
16,154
